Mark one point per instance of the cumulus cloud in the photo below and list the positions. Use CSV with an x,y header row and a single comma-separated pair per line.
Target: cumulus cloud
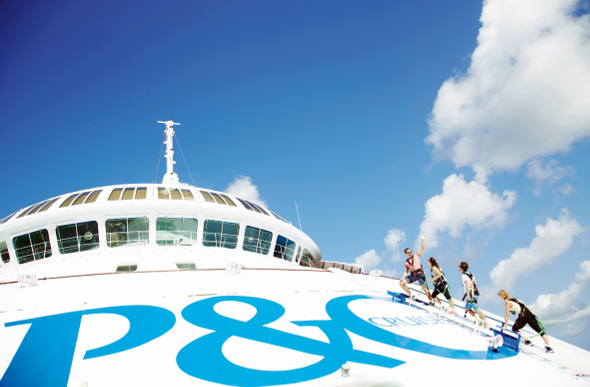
x,y
552,240
547,173
555,309
242,187
526,93
368,260
463,204
393,242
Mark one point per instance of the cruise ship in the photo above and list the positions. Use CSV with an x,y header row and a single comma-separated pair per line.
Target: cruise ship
x,y
173,285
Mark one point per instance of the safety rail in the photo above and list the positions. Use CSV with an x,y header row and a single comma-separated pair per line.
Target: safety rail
x,y
130,238
176,238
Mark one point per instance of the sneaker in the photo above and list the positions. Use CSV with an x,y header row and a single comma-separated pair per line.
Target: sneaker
x,y
548,350
453,313
528,342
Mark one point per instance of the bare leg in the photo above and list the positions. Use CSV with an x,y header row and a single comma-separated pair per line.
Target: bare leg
x,y
404,286
546,340
428,293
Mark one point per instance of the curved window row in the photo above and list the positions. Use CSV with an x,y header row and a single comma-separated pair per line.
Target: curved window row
x,y
175,194
81,198
129,193
212,197
40,207
7,218
170,231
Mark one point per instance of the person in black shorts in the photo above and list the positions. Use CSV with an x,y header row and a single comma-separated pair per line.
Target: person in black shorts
x,y
440,283
525,316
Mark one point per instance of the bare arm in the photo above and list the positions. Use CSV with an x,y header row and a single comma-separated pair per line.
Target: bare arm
x,y
468,289
506,320
437,272
422,246
405,274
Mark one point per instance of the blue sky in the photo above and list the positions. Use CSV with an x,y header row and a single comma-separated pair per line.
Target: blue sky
x,y
382,119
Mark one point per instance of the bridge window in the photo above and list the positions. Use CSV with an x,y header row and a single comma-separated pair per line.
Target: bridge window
x,y
257,240
128,194
207,197
127,232
307,259
73,238
228,200
298,254
115,195
80,198
220,234
4,252
284,249
92,197
31,247
176,231
141,193
188,195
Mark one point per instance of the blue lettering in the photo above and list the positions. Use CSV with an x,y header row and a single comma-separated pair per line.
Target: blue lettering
x,y
338,310
371,320
203,358
45,356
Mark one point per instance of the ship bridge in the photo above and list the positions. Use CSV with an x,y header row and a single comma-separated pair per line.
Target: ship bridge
x,y
146,227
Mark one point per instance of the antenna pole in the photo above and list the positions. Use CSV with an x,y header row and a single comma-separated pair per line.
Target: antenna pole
x,y
170,178
301,228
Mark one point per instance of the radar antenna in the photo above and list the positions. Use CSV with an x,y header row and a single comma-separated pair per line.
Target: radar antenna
x,y
170,178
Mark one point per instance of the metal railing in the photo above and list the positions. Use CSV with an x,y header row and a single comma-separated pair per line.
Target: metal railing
x,y
130,238
176,238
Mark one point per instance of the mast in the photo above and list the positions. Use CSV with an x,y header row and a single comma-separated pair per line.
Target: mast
x,y
170,178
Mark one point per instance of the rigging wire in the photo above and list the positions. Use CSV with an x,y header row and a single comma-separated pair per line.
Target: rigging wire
x,y
189,171
159,159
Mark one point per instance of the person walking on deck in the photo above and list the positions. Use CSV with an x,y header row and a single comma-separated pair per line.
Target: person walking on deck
x,y
471,292
441,286
525,316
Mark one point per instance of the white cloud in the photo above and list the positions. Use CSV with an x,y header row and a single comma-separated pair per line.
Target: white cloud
x,y
573,329
552,240
555,309
463,204
548,173
526,93
393,242
567,189
368,260
242,187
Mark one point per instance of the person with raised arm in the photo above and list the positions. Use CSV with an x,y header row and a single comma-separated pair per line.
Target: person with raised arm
x,y
413,270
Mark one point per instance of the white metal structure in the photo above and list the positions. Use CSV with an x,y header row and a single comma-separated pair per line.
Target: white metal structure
x,y
174,285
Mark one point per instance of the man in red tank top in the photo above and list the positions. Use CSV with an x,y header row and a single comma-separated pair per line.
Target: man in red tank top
x,y
414,272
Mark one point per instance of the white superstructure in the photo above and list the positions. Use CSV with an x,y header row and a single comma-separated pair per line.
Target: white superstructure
x,y
170,284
